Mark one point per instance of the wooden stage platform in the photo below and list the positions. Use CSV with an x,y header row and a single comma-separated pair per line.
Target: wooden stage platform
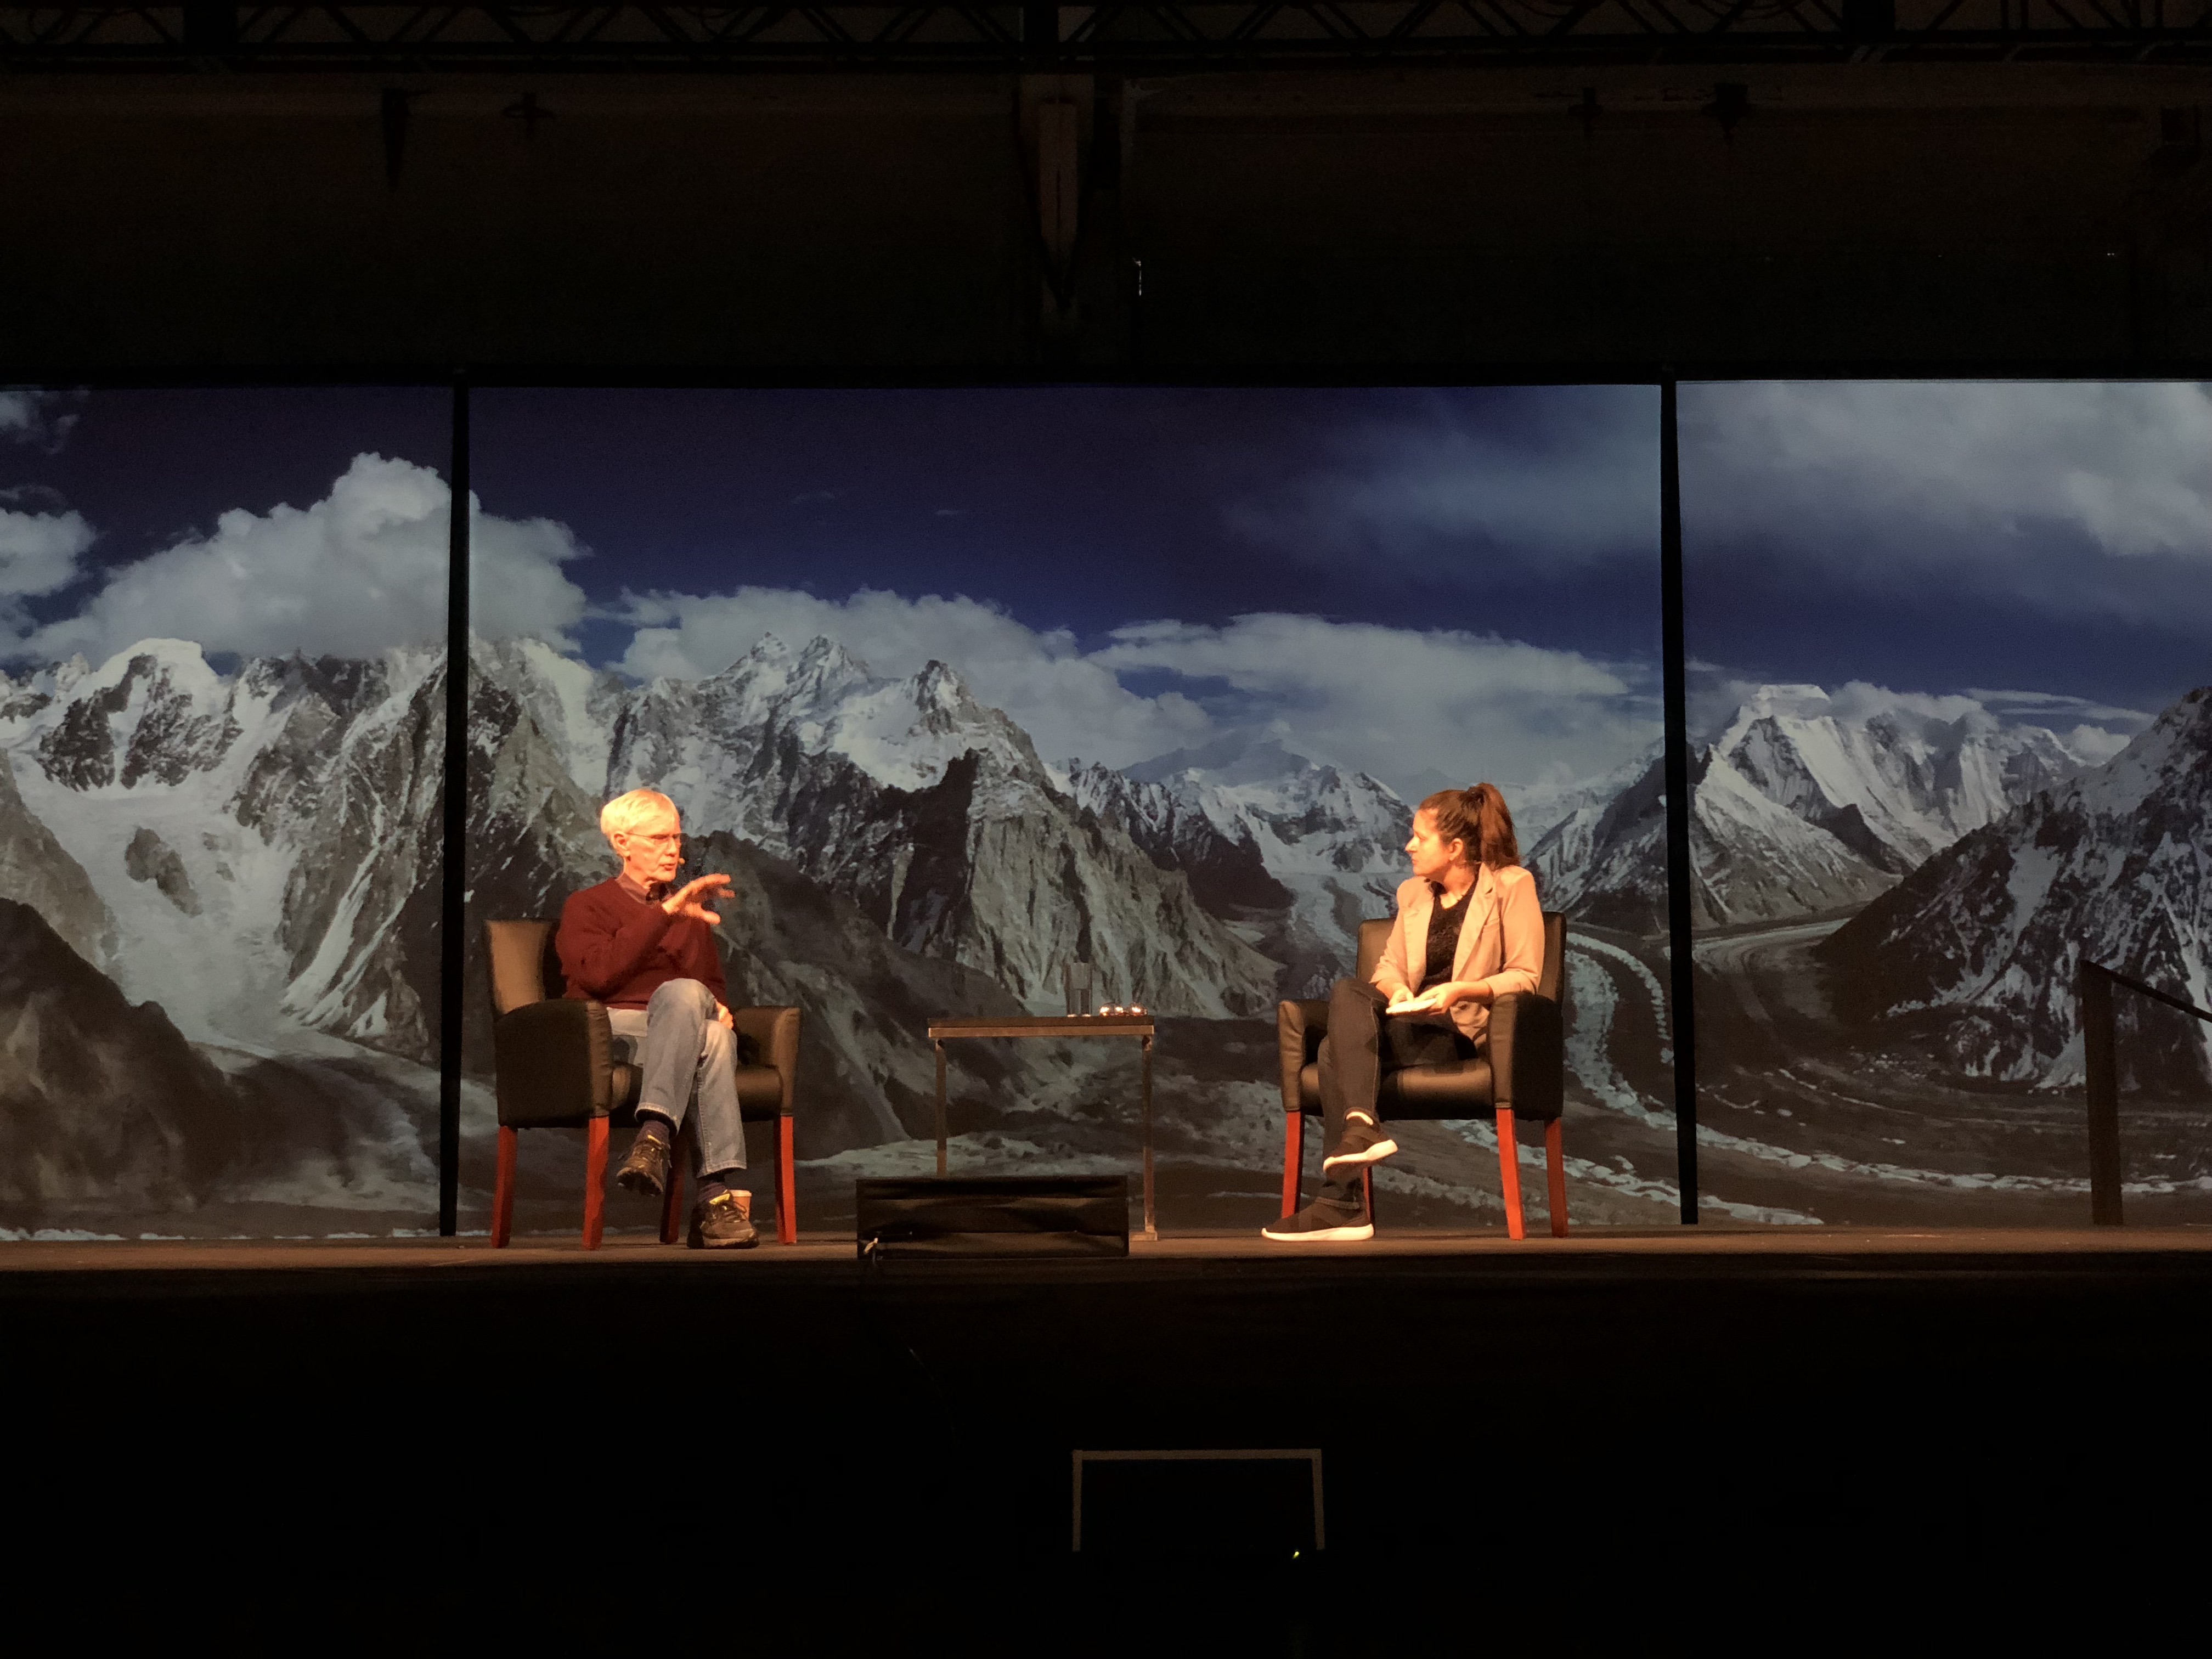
x,y
635,1249
1804,1247
1694,1261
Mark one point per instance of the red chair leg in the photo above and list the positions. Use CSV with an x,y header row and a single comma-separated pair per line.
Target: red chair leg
x,y
502,1192
595,1184
786,1185
1294,1159
1509,1169
1367,1191
1555,1160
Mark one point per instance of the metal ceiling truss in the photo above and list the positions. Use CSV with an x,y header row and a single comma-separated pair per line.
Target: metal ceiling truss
x,y
1102,39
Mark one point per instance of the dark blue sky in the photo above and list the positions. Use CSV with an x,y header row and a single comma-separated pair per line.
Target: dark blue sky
x,y
1068,507
1938,536
150,469
1090,508
1768,620
1076,507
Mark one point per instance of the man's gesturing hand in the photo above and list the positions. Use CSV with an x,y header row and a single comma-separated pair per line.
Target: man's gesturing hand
x,y
689,899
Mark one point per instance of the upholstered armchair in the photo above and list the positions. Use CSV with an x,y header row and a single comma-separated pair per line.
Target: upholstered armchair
x,y
557,1068
1521,1075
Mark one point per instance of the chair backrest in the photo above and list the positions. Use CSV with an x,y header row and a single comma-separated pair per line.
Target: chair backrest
x,y
525,968
1374,935
1551,980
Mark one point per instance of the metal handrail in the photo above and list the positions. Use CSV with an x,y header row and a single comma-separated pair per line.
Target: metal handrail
x,y
2102,1080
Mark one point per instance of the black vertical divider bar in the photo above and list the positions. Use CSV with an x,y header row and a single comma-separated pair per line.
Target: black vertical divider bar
x,y
2100,1082
453,914
1681,1001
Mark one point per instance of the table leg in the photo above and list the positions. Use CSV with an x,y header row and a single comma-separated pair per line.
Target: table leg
x,y
940,1047
1152,1226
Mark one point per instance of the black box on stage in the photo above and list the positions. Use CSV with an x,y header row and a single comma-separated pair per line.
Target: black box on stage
x,y
943,1216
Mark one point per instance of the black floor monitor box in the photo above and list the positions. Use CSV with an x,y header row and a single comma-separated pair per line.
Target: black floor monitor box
x,y
980,1216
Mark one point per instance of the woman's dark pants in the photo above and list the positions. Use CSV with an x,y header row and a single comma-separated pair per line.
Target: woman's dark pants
x,y
1363,1042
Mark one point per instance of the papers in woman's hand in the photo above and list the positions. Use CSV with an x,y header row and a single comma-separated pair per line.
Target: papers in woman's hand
x,y
1427,1002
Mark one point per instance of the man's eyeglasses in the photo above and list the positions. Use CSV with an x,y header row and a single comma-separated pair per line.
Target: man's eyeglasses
x,y
675,840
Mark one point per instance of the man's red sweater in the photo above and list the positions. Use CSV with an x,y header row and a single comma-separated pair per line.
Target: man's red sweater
x,y
619,949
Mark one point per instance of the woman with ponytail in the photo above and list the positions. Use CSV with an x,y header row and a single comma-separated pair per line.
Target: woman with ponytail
x,y
1469,930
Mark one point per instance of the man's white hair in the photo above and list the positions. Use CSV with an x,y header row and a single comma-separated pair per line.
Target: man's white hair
x,y
624,813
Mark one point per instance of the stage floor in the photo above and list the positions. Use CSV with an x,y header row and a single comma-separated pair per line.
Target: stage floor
x,y
1687,1247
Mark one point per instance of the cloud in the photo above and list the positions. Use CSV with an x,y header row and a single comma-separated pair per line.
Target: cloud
x,y
1396,703
42,418
2080,499
39,555
39,551
358,572
2098,730
2053,705
1068,704
1572,473
1405,704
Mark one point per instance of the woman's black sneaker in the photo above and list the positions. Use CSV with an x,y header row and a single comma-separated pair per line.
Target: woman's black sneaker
x,y
1322,1223
1364,1143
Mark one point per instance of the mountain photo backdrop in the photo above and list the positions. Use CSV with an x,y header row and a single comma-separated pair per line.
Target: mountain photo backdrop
x,y
963,687
1951,648
221,710
967,688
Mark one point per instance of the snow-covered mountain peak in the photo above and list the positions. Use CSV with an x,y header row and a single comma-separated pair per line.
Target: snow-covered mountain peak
x,y
185,664
825,669
154,710
1894,781
2180,741
1794,702
939,686
906,732
2112,867
571,703
1245,772
766,654
1236,759
1258,829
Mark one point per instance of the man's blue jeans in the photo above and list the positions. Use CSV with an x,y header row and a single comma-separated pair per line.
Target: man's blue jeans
x,y
689,1061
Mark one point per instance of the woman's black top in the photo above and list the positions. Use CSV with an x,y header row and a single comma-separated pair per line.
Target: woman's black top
x,y
1444,937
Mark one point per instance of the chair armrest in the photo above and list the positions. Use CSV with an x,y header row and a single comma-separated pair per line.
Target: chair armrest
x,y
774,1033
1300,1028
554,1063
1528,1055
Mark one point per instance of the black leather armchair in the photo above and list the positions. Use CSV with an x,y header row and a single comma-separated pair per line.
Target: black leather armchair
x,y
554,1057
1521,1073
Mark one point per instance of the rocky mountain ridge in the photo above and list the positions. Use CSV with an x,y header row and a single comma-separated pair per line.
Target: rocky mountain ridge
x,y
283,822
929,812
275,821
1982,940
1794,813
1296,852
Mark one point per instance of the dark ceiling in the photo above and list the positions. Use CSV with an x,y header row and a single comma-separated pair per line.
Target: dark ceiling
x,y
1494,189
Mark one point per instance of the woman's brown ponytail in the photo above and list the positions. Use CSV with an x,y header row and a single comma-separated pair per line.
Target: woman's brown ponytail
x,y
1480,817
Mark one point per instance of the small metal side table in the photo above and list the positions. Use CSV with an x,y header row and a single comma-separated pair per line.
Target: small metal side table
x,y
1139,1026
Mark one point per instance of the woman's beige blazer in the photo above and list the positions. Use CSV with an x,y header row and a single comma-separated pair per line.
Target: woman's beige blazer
x,y
1501,942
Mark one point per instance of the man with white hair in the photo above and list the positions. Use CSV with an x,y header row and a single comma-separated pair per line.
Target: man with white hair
x,y
639,944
